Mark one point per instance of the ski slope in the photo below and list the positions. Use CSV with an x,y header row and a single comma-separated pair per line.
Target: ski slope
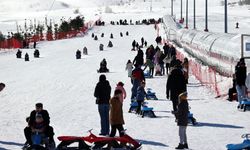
x,y
65,86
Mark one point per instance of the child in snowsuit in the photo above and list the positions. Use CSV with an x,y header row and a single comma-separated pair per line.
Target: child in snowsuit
x,y
116,114
140,96
182,120
129,67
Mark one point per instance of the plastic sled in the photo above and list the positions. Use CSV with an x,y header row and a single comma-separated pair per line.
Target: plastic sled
x,y
245,145
244,104
147,111
97,142
39,143
133,106
147,74
150,95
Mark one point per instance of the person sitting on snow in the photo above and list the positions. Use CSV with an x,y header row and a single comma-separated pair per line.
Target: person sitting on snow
x,y
103,66
78,54
36,53
19,54
48,131
26,57
110,44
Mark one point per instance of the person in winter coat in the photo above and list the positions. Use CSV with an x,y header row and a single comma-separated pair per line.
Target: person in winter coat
x,y
102,94
19,54
2,86
182,120
103,66
48,131
241,73
185,66
39,125
176,84
116,114
137,78
142,42
138,60
149,60
161,63
129,67
248,82
141,93
119,86
133,45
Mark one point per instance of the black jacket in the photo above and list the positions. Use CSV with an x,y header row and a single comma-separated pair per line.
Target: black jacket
x,y
102,92
176,84
241,74
44,114
182,114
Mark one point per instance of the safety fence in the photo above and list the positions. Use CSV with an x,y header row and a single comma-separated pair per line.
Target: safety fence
x,y
208,76
13,43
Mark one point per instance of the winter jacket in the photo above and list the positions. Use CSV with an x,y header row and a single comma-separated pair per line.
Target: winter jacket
x,y
115,114
137,74
161,62
241,74
39,126
44,114
182,113
124,94
140,93
248,82
129,67
176,84
102,92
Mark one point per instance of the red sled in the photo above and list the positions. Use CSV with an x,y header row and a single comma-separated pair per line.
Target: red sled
x,y
97,142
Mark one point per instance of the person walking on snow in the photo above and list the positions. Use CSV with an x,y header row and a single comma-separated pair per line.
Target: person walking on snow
x,y
176,85
116,114
102,94
129,67
241,73
182,120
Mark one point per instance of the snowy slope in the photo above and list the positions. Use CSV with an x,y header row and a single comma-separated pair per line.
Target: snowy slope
x,y
66,85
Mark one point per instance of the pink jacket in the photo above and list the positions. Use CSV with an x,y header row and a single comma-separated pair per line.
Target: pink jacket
x,y
123,92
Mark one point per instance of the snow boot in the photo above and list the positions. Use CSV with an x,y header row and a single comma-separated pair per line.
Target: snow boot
x,y
185,145
180,146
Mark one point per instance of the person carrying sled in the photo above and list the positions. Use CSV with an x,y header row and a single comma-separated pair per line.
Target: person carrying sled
x,y
102,94
176,85
48,130
141,93
2,86
116,114
182,120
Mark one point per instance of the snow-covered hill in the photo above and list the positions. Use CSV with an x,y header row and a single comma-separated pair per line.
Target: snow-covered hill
x,y
14,6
